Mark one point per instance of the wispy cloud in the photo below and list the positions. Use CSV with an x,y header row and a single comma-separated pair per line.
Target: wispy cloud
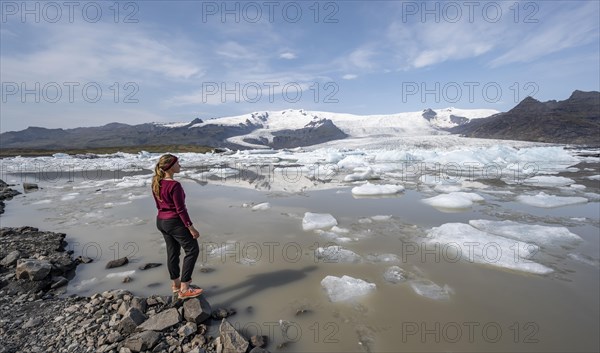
x,y
288,55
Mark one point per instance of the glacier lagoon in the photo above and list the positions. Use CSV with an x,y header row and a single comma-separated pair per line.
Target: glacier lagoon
x,y
514,268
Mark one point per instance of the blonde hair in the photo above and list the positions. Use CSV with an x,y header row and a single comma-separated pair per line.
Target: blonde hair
x,y
159,173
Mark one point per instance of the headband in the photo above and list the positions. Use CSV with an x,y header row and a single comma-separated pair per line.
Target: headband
x,y
168,166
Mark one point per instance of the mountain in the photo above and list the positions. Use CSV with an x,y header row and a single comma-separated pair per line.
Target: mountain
x,y
280,129
575,120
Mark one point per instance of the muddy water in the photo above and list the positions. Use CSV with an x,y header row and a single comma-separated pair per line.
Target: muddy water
x,y
269,271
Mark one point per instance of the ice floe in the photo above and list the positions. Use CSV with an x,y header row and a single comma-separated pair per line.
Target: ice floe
x,y
549,201
369,189
261,206
454,200
429,289
395,274
545,181
312,221
541,235
346,288
336,254
465,242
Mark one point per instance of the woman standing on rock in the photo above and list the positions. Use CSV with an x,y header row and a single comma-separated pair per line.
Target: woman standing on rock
x,y
175,225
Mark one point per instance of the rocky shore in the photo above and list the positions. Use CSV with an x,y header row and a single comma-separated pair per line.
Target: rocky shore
x,y
35,316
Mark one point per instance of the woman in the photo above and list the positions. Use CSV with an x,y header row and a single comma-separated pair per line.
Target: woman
x,y
175,225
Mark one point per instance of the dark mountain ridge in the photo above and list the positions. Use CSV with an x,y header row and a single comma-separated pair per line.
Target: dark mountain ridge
x,y
575,120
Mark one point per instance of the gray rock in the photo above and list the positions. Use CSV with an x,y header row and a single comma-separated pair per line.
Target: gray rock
x,y
33,269
161,321
118,262
258,341
132,319
60,281
188,329
232,341
33,322
259,350
142,341
149,265
197,309
30,187
122,309
114,337
139,303
11,258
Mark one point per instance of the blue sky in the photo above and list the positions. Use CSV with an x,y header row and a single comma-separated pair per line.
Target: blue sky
x,y
92,63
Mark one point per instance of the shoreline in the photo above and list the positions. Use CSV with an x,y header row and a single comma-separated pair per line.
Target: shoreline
x,y
35,268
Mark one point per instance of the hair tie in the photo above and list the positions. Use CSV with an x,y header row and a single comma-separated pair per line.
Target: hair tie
x,y
168,166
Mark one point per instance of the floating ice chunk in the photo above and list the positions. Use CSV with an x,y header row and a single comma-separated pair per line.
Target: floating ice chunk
x,y
313,221
474,185
578,186
594,177
548,201
365,221
462,241
428,289
360,175
578,219
592,196
337,229
383,258
262,206
120,274
541,235
545,181
380,218
41,202
446,188
584,259
395,274
70,196
369,189
346,288
336,254
353,161
454,200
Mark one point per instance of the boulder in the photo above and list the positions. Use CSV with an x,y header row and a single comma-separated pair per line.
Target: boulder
x,y
232,341
196,310
11,258
142,341
161,321
131,320
118,262
33,269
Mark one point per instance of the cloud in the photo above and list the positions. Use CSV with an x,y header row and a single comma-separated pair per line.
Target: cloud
x,y
72,52
349,76
564,28
288,56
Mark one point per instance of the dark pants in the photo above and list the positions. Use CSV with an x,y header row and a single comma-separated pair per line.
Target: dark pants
x,y
177,236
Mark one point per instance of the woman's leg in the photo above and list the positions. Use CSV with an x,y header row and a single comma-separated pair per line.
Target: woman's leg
x,y
173,248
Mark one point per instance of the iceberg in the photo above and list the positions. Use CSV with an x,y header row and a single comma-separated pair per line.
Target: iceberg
x,y
395,274
312,221
459,241
548,201
545,181
262,206
336,254
346,288
428,289
541,235
454,200
369,189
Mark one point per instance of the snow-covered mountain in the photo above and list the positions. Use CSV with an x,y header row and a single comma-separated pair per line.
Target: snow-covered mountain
x,y
268,129
268,126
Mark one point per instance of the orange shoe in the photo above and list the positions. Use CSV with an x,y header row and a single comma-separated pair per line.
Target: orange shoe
x,y
190,293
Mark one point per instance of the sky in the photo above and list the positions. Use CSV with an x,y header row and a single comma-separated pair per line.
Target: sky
x,y
69,64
